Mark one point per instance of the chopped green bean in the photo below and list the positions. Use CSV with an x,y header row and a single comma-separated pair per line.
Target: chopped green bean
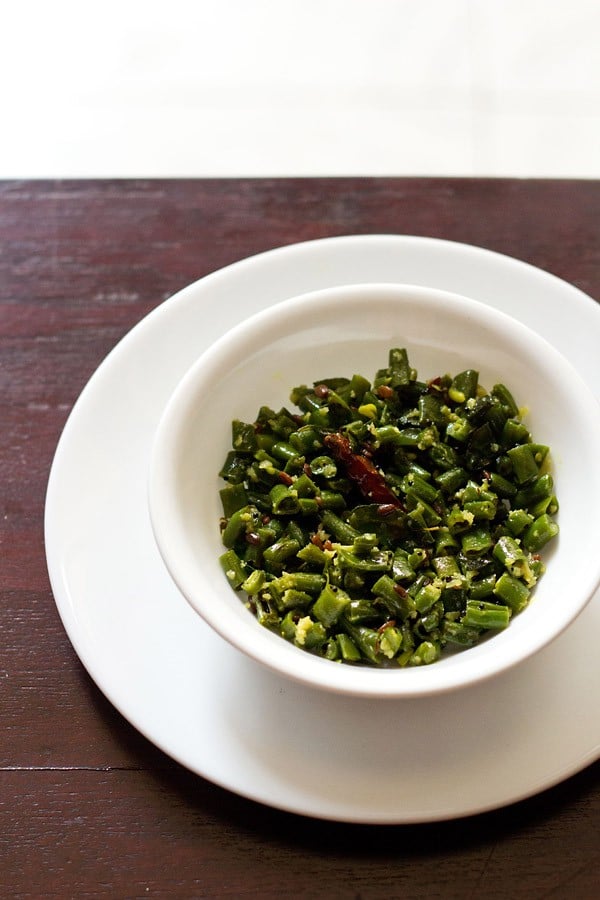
x,y
233,568
348,649
464,386
542,530
523,462
480,614
514,593
278,552
330,604
233,497
501,393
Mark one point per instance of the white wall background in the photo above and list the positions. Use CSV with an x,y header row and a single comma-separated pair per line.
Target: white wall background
x,y
300,87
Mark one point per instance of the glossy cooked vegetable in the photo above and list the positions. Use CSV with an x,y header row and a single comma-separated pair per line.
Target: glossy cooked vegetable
x,y
387,521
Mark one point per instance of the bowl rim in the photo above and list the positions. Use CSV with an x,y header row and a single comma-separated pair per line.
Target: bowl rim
x,y
275,654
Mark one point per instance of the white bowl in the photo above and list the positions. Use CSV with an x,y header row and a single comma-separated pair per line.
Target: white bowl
x,y
348,330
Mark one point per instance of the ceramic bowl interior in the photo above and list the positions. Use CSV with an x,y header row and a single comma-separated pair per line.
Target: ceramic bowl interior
x,y
348,330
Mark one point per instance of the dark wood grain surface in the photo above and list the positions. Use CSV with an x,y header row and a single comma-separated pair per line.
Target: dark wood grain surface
x,y
87,806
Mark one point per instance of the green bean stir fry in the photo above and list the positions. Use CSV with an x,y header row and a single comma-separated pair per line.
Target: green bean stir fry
x,y
386,522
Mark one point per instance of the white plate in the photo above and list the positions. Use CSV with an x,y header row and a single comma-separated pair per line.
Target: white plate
x,y
227,718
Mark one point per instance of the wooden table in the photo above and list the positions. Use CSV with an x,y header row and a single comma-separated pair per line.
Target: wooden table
x,y
88,807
